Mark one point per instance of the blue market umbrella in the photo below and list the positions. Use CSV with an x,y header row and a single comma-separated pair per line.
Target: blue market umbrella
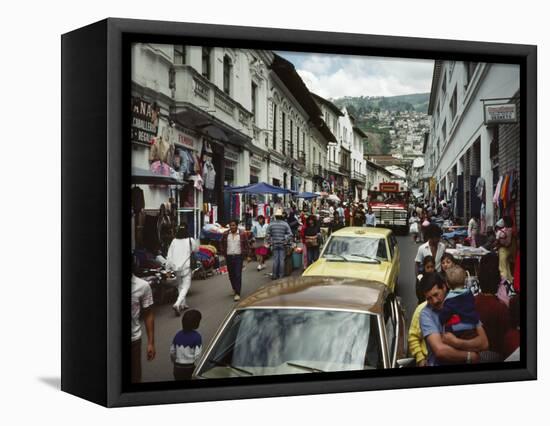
x,y
259,188
307,195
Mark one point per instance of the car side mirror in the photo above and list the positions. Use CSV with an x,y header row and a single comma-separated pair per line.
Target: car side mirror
x,y
406,362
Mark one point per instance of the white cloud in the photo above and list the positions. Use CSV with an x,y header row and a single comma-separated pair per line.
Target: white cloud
x,y
318,64
335,76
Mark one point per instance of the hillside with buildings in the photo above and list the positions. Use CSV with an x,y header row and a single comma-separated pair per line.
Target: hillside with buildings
x,y
394,125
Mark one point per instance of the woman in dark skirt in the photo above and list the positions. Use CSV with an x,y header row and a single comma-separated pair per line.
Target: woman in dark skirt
x,y
312,236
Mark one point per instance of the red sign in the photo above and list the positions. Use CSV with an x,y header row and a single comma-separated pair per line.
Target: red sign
x,y
185,140
389,187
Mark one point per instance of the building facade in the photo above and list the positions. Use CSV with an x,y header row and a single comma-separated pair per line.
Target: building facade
x,y
358,164
332,172
346,170
465,156
204,118
212,102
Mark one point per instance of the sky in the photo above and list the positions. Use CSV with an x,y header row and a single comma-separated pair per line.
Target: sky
x,y
336,76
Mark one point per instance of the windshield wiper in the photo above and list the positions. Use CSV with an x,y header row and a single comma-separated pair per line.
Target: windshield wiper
x,y
227,365
305,367
366,257
335,255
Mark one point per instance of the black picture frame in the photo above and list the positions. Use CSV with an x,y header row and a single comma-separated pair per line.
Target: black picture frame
x,y
95,173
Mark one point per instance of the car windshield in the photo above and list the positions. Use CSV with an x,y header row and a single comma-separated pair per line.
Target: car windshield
x,y
293,341
385,197
356,249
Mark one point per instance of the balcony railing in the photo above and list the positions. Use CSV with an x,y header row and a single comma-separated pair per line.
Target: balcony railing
x,y
358,176
288,149
333,167
344,169
190,87
301,157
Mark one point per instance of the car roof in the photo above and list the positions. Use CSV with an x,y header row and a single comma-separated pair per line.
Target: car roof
x,y
353,231
319,292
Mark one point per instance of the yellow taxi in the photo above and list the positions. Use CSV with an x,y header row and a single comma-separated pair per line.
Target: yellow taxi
x,y
362,253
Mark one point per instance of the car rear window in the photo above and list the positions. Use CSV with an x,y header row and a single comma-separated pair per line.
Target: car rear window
x,y
283,341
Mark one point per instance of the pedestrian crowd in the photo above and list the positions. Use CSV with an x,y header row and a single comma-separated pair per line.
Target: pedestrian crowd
x,y
462,318
459,318
238,245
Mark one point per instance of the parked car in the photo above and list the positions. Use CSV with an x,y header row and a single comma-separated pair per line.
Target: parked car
x,y
309,325
357,252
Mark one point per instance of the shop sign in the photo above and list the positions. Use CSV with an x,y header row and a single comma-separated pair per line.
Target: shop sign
x,y
501,113
145,120
231,155
186,140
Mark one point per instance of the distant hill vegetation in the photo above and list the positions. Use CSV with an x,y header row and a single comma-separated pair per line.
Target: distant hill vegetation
x,y
360,105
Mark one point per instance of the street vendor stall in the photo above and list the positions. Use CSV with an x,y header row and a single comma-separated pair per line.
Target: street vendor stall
x,y
147,177
308,200
454,235
211,233
263,188
307,195
466,252
468,258
259,188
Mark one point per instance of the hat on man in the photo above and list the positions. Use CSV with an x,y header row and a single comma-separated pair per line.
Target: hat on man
x,y
279,212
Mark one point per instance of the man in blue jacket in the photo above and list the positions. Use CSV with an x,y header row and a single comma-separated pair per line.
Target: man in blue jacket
x,y
278,237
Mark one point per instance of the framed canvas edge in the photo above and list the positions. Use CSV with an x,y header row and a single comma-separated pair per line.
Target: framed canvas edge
x,y
530,190
83,273
116,29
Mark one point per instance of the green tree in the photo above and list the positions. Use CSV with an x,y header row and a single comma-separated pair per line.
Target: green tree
x,y
352,110
386,144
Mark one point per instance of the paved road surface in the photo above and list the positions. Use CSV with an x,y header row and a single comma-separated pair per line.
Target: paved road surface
x,y
214,298
407,279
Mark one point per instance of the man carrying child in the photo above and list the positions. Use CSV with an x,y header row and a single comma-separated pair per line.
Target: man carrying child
x,y
444,347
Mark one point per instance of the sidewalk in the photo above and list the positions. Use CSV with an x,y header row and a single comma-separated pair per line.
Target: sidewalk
x,y
213,297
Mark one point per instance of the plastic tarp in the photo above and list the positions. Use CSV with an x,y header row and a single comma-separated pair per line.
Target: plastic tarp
x,y
307,195
147,177
258,188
